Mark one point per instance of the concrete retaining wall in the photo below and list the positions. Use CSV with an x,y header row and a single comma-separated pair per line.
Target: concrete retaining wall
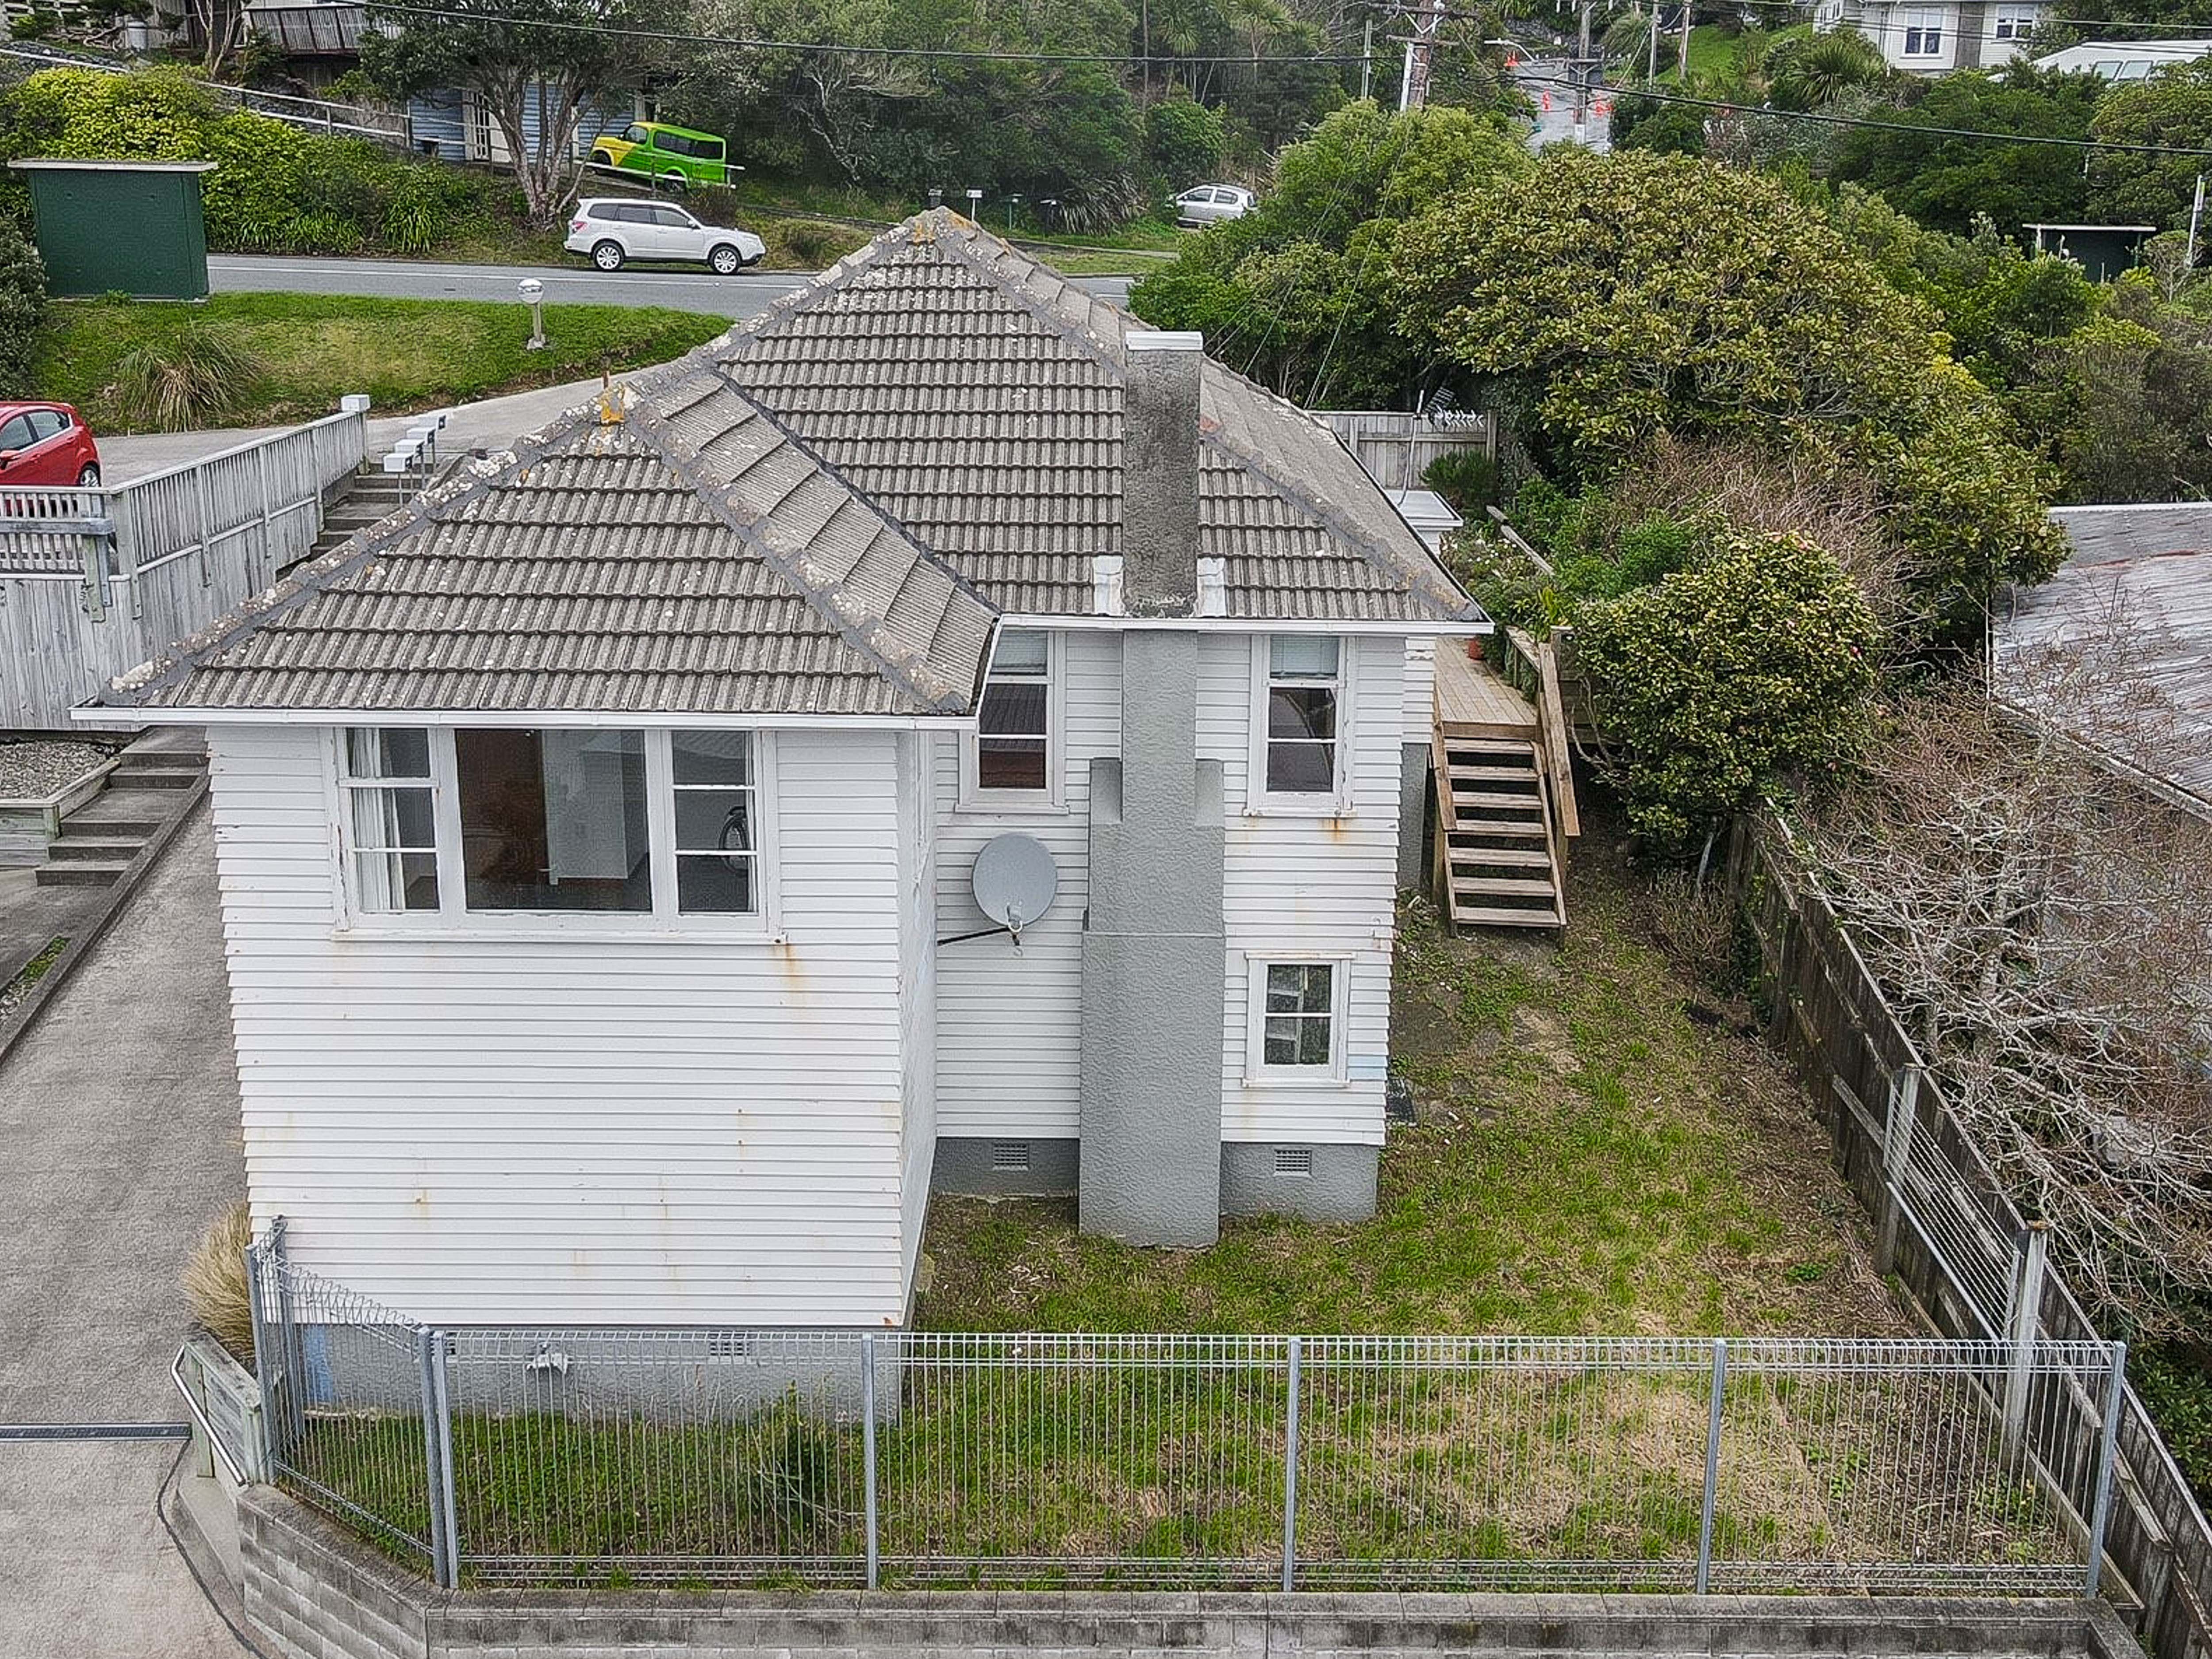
x,y
316,1593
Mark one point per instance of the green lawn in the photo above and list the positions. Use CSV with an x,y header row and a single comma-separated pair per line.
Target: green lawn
x,y
1592,1158
404,354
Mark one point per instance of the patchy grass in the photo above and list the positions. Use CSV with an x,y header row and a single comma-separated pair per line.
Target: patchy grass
x,y
404,354
1601,1149
13,993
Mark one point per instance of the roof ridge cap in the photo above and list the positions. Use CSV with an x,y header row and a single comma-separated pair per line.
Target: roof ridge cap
x,y
684,462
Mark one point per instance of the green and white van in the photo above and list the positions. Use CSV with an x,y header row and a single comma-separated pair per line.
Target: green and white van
x,y
675,156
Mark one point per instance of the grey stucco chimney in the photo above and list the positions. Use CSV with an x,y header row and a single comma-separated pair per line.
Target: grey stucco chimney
x,y
1159,473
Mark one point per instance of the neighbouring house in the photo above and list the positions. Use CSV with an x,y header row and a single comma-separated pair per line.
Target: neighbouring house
x,y
598,836
1935,36
2137,590
2124,60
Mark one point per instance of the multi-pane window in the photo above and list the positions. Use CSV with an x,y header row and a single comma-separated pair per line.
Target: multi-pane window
x,y
389,804
515,821
1295,1019
1013,740
1304,694
1923,33
2014,22
717,816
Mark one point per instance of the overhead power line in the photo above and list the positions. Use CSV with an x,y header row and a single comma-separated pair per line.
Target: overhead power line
x,y
678,37
1738,106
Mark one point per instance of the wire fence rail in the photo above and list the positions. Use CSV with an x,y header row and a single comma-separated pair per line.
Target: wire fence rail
x,y
1944,1224
731,1456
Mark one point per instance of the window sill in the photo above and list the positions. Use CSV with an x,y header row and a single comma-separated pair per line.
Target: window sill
x,y
478,933
1010,804
1304,1085
1299,806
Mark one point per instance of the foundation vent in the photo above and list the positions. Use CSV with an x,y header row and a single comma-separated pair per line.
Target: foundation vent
x,y
1293,1160
1010,1157
729,1344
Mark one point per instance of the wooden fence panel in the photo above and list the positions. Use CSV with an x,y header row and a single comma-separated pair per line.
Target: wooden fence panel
x,y
1829,1015
178,548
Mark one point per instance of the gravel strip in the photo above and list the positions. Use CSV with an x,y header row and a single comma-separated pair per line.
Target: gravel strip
x,y
33,770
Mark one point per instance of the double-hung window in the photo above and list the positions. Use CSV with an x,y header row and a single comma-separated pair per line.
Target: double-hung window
x,y
634,827
1299,754
389,800
1013,758
2014,22
1295,1030
1923,33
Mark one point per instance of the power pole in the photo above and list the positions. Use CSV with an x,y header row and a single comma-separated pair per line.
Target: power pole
x,y
1428,16
1583,63
1682,62
1651,69
2196,215
1367,58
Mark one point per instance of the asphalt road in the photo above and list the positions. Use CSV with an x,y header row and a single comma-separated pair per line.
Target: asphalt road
x,y
736,297
1550,83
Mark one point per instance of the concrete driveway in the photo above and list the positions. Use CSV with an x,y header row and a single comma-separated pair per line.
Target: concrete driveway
x,y
118,1115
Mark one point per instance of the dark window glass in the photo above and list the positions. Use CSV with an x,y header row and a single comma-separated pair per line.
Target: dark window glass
x,y
553,820
1013,748
391,818
15,433
44,424
717,823
1299,1009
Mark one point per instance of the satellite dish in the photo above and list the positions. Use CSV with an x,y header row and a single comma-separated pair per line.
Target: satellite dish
x,y
1015,881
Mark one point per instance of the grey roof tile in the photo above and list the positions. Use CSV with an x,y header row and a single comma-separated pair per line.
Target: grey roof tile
x,y
825,511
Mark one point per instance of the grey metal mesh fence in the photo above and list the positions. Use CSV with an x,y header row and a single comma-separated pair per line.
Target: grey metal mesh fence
x,y
733,1456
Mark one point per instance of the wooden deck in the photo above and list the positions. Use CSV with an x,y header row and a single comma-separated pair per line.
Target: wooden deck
x,y
1473,701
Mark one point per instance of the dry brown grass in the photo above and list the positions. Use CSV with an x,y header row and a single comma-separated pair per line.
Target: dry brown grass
x,y
215,1281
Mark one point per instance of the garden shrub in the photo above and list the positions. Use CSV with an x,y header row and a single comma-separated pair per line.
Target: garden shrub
x,y
1467,478
1185,142
192,378
1754,660
22,306
214,1282
275,188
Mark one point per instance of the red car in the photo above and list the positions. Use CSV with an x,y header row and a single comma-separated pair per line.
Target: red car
x,y
46,444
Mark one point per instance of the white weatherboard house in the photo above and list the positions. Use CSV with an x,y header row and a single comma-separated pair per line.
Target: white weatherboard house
x,y
596,835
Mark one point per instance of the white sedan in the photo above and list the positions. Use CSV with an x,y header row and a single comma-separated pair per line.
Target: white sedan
x,y
615,229
1206,204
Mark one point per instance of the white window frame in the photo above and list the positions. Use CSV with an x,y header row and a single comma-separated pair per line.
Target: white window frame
x,y
1052,798
2014,22
1257,1072
1335,803
452,919
1929,24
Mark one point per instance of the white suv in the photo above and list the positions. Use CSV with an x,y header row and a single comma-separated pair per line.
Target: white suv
x,y
615,229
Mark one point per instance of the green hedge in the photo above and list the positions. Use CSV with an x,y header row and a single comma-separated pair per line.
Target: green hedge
x,y
275,188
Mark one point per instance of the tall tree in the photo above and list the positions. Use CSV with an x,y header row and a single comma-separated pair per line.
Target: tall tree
x,y
539,68
2172,109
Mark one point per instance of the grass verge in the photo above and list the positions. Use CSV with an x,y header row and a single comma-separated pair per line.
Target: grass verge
x,y
1599,1150
404,354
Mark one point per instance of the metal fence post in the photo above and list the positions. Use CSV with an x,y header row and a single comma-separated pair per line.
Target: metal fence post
x,y
2100,1510
441,1345
2020,1328
200,507
260,1344
868,1447
295,1383
433,1464
1712,1466
1897,1132
1291,1465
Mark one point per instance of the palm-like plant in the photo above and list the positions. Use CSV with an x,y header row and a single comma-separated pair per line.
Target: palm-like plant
x,y
1813,73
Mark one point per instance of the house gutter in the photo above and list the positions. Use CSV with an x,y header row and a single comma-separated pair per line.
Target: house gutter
x,y
131,719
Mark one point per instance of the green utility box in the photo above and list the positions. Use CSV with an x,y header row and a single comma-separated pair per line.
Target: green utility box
x,y
120,227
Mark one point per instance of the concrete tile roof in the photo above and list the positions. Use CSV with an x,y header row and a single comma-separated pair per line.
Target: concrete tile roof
x,y
824,512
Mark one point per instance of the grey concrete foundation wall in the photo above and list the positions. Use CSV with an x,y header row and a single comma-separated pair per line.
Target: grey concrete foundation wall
x,y
1154,959
1340,1187
1413,815
965,1165
315,1593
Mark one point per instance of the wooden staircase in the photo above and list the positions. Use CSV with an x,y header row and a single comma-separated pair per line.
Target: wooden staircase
x,y
1505,799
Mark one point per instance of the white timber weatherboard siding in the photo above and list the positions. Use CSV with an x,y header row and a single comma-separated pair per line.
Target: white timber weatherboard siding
x,y
1009,1023
1420,688
917,987
632,1131
1310,887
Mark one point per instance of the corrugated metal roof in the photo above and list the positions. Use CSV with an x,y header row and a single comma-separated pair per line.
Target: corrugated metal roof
x,y
2148,570
823,512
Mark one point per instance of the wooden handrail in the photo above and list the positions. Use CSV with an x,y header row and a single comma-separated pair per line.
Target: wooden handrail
x,y
1551,727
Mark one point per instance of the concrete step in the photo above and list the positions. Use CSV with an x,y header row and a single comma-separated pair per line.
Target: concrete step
x,y
84,873
142,775
120,812
93,848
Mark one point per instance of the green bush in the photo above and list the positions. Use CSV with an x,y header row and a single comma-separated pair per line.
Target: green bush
x,y
1467,478
22,306
1756,660
1185,142
275,188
